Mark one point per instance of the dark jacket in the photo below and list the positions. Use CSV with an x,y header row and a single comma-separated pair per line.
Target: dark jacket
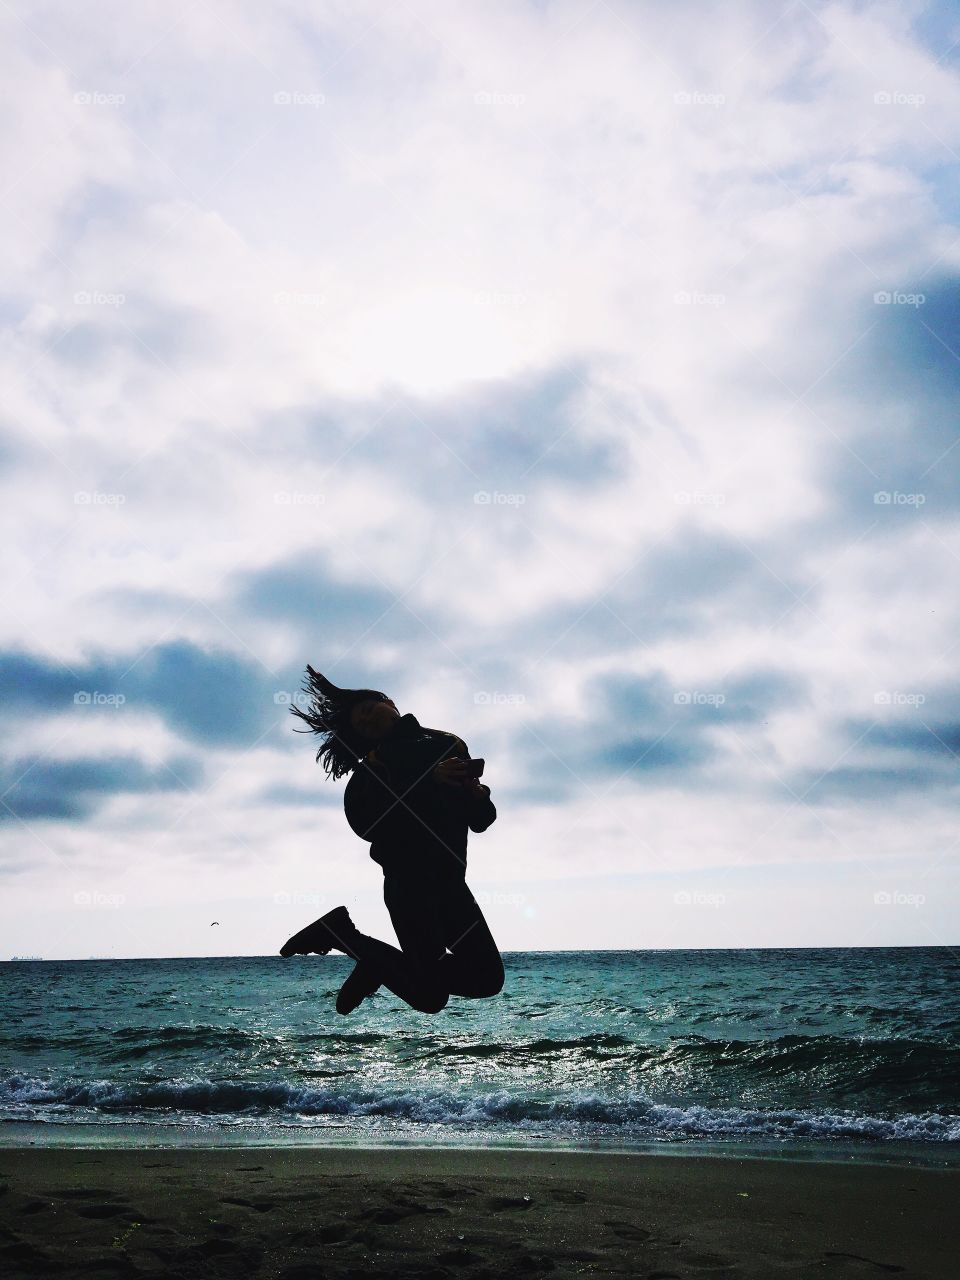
x,y
415,824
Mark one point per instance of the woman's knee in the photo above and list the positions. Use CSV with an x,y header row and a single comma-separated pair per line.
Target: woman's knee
x,y
433,1002
491,983
432,989
496,985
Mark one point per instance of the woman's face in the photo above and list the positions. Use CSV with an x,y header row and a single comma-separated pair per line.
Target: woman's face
x,y
372,718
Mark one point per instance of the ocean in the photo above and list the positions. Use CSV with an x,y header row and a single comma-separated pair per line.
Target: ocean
x,y
825,1049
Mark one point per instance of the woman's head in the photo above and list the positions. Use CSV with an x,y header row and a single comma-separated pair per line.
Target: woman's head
x,y
372,717
351,721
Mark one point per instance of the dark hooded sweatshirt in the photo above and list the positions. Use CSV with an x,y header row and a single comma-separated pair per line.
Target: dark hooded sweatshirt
x,y
416,825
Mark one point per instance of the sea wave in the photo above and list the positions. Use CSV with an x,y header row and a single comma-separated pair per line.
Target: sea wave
x,y
857,1063
632,1115
795,1050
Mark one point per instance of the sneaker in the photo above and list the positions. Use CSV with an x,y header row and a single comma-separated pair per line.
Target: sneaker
x,y
335,929
361,983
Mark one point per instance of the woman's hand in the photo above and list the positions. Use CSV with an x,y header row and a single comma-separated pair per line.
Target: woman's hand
x,y
451,772
454,772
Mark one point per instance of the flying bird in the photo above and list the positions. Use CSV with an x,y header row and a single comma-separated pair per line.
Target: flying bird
x,y
213,922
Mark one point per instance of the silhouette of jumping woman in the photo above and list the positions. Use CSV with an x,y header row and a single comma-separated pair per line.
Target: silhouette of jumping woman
x,y
413,793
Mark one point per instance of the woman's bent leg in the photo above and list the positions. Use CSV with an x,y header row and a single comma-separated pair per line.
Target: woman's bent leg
x,y
428,920
476,968
417,910
397,971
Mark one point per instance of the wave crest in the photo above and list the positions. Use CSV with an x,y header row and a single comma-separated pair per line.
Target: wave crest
x,y
632,1116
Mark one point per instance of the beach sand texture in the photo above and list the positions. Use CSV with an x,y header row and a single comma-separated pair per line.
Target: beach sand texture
x,y
327,1214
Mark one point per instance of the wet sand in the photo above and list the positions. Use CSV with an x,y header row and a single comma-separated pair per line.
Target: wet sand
x,y
353,1214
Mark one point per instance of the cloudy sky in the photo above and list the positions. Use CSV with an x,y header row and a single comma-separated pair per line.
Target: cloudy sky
x,y
582,374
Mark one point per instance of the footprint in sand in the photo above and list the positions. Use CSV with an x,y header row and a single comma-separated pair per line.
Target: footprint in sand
x,y
868,1262
528,1263
453,1193
459,1257
261,1206
313,1237
578,1255
202,1258
386,1216
397,1213
300,1271
111,1267
706,1261
214,1249
102,1210
509,1202
568,1197
333,1233
399,1207
21,1254
627,1231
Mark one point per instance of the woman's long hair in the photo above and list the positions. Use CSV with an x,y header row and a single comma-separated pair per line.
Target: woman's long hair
x,y
328,714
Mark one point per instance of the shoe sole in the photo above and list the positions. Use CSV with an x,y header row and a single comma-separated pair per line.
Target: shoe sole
x,y
327,924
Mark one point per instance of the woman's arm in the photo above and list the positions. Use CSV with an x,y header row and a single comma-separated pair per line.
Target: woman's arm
x,y
481,812
373,808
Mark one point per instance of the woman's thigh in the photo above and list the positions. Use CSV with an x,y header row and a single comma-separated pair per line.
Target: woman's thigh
x,y
465,930
430,919
418,919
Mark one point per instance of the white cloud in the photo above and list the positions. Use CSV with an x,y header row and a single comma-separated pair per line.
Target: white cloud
x,y
616,264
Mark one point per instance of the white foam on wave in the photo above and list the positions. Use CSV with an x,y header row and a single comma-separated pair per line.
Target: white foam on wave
x,y
633,1115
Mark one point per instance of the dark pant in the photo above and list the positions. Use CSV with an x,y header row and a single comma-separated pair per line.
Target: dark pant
x,y
429,919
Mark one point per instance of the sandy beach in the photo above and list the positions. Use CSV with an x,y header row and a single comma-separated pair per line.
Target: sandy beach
x,y
316,1213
